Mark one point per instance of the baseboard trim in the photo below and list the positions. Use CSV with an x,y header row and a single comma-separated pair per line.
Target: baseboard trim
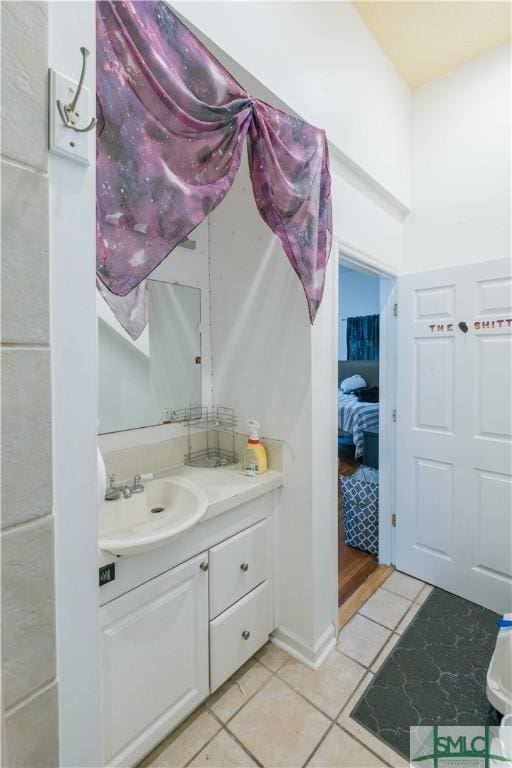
x,y
311,656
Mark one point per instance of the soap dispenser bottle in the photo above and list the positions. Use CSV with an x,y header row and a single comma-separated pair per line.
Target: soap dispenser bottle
x,y
255,455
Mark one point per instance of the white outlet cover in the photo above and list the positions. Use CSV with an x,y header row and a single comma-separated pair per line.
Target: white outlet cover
x,y
62,140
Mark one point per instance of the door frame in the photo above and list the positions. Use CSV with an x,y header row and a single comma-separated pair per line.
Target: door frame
x,y
362,262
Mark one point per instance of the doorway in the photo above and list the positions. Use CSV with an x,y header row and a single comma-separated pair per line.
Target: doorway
x,y
366,392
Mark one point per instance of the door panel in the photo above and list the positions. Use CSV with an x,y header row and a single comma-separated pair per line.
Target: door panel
x,y
493,523
435,303
434,506
454,506
493,296
493,352
433,384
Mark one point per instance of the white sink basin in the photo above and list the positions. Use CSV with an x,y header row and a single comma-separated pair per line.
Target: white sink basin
x,y
150,519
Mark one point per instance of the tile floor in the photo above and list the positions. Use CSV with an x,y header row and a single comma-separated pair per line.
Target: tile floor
x,y
277,712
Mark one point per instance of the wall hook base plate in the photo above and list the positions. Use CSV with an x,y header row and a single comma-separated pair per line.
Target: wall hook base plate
x,y
61,140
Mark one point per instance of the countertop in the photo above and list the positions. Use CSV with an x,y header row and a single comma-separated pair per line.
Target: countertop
x,y
226,487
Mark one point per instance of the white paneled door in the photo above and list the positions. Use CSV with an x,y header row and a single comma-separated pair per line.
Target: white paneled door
x,y
454,422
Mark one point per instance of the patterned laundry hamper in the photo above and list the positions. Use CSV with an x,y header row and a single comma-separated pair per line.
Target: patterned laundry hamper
x,y
361,509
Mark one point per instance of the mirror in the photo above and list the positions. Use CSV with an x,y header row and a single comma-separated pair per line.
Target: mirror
x,y
141,382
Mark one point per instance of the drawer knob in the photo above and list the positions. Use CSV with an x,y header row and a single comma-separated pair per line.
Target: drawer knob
x,y
204,566
246,634
244,567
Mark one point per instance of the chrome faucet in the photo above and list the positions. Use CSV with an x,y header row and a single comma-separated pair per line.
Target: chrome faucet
x,y
114,492
125,490
136,486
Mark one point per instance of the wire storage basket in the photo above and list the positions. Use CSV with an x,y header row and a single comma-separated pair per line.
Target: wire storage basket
x,y
211,437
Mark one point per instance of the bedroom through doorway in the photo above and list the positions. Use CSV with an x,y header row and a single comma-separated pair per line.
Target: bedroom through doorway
x,y
358,428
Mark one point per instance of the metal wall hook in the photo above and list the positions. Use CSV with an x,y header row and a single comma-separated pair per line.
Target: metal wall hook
x,y
68,112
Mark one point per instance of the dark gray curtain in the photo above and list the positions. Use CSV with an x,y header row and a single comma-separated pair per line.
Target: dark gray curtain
x,y
363,338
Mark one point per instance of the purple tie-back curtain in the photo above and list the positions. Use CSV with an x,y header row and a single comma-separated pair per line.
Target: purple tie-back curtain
x,y
172,124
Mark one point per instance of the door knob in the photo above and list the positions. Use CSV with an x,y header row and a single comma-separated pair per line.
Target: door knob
x,y
204,566
244,567
246,634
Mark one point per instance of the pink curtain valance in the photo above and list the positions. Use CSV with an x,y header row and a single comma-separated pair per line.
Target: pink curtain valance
x,y
172,124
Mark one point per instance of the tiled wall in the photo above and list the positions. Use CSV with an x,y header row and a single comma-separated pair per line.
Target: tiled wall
x,y
27,538
159,457
149,457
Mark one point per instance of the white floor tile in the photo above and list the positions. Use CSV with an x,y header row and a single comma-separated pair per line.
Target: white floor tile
x,y
404,585
328,687
362,639
385,608
383,655
340,750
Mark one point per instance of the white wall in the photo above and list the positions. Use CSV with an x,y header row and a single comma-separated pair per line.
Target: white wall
x,y
461,166
364,227
262,351
321,60
73,340
358,295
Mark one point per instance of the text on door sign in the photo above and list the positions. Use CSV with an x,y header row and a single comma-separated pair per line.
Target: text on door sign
x,y
478,325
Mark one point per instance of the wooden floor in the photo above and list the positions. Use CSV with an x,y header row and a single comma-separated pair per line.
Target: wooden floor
x,y
358,598
354,565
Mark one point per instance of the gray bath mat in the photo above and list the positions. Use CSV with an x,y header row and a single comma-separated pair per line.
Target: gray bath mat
x,y
436,673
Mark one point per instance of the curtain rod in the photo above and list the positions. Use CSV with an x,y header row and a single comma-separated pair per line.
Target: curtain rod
x,y
344,319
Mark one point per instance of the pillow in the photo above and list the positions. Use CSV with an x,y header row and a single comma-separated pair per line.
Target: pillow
x,y
352,383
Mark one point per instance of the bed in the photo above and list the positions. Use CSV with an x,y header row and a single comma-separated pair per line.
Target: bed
x,y
355,417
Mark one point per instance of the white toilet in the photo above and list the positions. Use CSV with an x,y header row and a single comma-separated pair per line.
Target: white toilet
x,y
499,674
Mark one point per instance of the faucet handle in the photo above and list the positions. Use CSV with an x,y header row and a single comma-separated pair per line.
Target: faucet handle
x,y
136,486
112,493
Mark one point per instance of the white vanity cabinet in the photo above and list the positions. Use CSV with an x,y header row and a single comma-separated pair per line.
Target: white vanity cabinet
x,y
154,655
177,624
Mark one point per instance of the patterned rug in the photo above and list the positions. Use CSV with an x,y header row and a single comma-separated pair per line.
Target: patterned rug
x,y
436,673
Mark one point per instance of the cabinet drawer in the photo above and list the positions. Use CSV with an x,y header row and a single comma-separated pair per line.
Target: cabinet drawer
x,y
237,566
239,632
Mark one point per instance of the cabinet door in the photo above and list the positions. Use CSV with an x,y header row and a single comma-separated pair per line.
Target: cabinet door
x,y
154,655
